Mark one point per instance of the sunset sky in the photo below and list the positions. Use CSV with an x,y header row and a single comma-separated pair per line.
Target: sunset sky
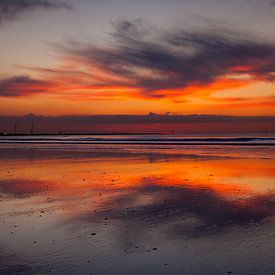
x,y
90,57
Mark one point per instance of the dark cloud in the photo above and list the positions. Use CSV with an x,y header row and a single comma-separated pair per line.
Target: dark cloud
x,y
21,86
11,9
142,61
177,59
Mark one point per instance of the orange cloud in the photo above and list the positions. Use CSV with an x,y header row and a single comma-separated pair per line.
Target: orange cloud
x,y
178,67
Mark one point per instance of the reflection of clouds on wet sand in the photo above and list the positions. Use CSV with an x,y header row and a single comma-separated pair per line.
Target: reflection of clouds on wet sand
x,y
210,189
158,154
110,205
22,188
156,204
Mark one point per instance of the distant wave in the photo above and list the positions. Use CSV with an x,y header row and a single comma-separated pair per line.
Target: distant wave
x,y
139,139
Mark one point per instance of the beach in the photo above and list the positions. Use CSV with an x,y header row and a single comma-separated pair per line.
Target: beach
x,y
137,137
121,209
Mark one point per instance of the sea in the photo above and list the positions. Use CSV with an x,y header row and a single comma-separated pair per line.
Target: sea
x,y
145,139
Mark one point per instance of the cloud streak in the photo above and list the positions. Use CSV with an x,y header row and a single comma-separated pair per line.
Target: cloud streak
x,y
12,9
179,59
21,86
143,62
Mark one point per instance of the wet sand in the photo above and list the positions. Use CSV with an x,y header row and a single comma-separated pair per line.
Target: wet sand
x,y
136,209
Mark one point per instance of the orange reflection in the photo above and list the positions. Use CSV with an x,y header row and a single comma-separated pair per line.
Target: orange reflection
x,y
97,179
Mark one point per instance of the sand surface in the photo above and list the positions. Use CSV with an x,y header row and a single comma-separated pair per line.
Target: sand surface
x,y
137,209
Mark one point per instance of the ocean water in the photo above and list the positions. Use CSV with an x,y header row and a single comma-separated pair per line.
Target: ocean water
x,y
68,207
150,139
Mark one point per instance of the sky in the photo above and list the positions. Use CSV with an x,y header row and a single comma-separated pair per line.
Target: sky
x,y
133,57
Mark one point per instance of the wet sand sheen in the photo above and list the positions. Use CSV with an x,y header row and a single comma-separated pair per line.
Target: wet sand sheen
x,y
106,210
